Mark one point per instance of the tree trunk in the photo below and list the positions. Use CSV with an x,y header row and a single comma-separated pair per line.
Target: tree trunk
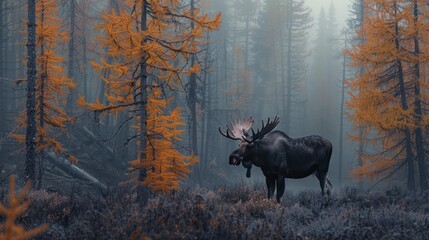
x,y
30,136
193,95
340,158
41,109
402,91
70,67
283,85
418,132
204,98
143,96
3,31
73,170
289,66
246,47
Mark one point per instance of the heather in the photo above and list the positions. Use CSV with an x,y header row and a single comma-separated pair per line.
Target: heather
x,y
228,212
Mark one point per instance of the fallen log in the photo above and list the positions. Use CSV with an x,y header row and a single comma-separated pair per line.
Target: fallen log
x,y
73,170
97,140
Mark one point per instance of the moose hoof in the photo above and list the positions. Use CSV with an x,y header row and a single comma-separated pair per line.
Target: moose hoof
x,y
248,174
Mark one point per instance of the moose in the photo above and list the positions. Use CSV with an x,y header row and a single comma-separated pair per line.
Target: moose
x,y
278,155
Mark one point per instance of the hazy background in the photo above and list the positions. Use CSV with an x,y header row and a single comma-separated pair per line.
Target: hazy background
x,y
230,90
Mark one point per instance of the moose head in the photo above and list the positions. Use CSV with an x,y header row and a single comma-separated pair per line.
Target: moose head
x,y
248,149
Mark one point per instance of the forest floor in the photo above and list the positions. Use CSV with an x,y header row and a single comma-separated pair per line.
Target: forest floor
x,y
233,212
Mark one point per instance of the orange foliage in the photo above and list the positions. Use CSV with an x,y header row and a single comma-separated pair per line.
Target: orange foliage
x,y
8,229
165,163
52,86
162,48
386,55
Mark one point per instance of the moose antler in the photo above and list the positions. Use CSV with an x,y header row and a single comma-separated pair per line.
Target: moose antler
x,y
238,130
264,130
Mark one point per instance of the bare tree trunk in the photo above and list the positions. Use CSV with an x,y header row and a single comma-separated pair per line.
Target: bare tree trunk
x,y
283,85
30,136
340,158
204,99
289,66
246,47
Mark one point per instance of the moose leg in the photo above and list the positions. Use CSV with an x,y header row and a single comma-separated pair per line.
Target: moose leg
x,y
280,188
322,180
328,186
271,185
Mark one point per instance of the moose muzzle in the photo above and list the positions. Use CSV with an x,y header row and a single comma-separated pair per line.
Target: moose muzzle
x,y
234,159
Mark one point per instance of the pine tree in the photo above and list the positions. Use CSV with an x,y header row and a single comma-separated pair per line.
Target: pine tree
x,y
280,53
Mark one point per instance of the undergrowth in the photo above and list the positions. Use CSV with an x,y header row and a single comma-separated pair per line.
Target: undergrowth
x,y
234,212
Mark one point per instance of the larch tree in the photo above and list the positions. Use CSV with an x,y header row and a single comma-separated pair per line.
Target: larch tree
x,y
386,96
354,24
50,90
150,44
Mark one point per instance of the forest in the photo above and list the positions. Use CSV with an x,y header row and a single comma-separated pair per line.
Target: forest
x,y
115,117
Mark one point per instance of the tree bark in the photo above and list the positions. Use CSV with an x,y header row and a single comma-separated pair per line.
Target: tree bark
x,y
402,91
30,136
70,67
73,170
143,96
43,79
289,65
418,132
340,158
193,94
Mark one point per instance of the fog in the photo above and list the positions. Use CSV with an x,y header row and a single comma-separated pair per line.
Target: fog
x,y
342,10
257,62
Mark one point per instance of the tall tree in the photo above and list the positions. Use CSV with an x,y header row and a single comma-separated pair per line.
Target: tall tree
x,y
354,25
384,94
143,44
298,22
280,53
51,87
421,34
193,90
71,54
31,130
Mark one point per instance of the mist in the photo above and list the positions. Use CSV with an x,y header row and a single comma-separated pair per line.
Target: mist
x,y
214,119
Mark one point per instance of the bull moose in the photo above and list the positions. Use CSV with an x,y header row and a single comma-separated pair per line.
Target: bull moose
x,y
278,155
